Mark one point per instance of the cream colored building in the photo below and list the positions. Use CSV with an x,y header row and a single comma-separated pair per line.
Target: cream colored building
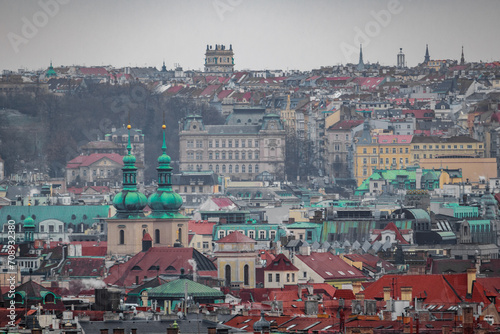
x,y
236,259
250,143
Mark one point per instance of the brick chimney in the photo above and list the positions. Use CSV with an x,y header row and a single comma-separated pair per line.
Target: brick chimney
x,y
471,277
406,293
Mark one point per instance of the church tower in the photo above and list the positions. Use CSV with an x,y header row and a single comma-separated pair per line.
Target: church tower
x,y
401,59
361,64
427,58
165,226
462,59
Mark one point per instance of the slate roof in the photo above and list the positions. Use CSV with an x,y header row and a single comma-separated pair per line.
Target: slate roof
x,y
176,289
232,129
331,267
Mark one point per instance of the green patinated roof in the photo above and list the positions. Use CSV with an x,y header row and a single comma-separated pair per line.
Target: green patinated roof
x,y
175,289
479,222
420,214
303,225
447,235
65,213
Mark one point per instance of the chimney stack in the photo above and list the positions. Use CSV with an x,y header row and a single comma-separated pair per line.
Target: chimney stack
x,y
387,293
406,293
471,278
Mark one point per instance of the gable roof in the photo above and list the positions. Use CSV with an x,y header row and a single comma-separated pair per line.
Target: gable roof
x,y
330,267
176,289
392,227
201,227
281,263
87,160
236,237
158,261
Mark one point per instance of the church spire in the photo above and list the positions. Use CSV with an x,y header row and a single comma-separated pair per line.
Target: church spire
x,y
427,58
361,65
462,59
129,202
164,200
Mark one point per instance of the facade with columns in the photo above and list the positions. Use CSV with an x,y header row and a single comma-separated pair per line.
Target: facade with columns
x,y
242,148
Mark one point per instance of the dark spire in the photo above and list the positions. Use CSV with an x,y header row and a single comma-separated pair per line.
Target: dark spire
x,y
361,65
462,59
427,58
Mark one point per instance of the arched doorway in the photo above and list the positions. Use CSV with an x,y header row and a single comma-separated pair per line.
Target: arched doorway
x,y
228,275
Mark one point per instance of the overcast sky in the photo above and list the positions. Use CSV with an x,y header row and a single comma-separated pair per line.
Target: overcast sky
x,y
265,34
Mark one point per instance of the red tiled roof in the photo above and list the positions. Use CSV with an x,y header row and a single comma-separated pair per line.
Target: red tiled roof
x,y
281,263
330,267
147,237
94,71
346,125
201,227
224,93
223,202
83,267
399,139
236,237
168,260
92,248
345,294
392,227
265,255
210,90
419,113
87,160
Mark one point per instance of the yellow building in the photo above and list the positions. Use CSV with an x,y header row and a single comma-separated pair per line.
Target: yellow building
x,y
473,169
236,258
380,152
288,116
433,147
280,272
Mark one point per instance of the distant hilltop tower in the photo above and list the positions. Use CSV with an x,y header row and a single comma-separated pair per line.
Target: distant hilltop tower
x,y
462,59
219,60
427,58
401,59
361,64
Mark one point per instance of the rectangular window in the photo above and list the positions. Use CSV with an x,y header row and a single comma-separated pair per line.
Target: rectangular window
x,y
406,150
364,150
190,143
256,155
224,155
200,189
199,156
293,277
256,143
216,143
269,277
249,142
374,151
199,144
217,155
230,155
205,244
374,161
223,141
387,161
277,278
288,277
210,155
209,143
230,143
394,150
364,160
237,155
242,155
236,143
243,143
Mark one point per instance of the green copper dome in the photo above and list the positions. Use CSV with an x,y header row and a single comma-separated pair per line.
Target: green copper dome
x,y
164,199
129,201
29,222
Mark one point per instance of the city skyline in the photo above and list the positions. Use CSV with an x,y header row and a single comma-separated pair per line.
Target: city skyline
x,y
264,35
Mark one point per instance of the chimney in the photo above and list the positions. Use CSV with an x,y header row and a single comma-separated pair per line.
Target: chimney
x,y
418,178
471,277
104,331
468,318
212,330
406,293
356,287
173,329
360,297
387,293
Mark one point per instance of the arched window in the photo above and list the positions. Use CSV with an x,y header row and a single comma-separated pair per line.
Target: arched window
x,y
246,278
228,275
230,168
49,298
122,237
179,234
143,232
157,236
18,298
223,168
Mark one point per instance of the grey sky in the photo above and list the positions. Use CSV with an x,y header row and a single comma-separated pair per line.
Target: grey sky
x,y
265,34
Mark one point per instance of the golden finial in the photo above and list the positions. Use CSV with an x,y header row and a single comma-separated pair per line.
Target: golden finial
x,y
164,126
129,127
